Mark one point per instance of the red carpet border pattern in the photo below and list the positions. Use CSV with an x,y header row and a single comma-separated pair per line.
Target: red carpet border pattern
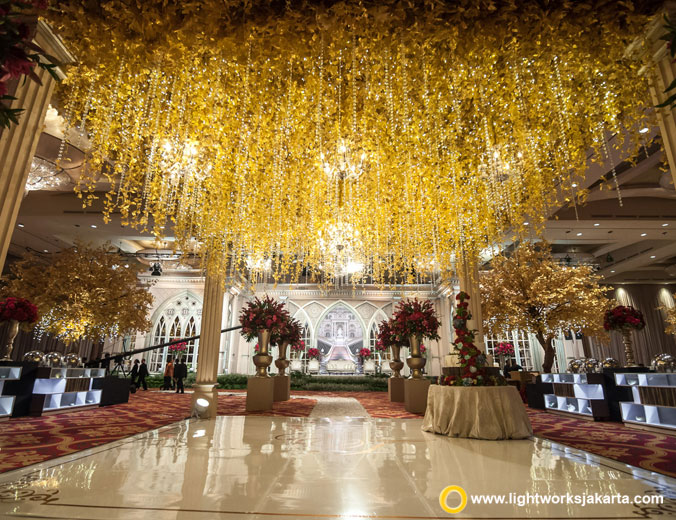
x,y
29,440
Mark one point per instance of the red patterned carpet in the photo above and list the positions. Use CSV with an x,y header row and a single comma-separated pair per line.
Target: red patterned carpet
x,y
29,440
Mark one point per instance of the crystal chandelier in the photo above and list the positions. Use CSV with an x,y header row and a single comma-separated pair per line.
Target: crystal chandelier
x,y
348,162
45,175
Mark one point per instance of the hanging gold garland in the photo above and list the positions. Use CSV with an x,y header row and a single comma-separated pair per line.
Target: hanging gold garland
x,y
363,141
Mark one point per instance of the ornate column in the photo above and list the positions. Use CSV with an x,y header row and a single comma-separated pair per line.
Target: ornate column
x,y
18,144
468,272
210,341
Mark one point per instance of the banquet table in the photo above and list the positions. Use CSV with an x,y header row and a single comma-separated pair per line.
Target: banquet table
x,y
478,412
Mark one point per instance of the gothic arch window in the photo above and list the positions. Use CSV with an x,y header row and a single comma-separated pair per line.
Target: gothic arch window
x,y
179,317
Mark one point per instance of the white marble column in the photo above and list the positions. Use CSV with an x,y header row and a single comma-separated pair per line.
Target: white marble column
x,y
18,144
468,273
210,341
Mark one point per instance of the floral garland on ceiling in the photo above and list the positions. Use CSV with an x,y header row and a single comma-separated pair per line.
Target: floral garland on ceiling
x,y
339,141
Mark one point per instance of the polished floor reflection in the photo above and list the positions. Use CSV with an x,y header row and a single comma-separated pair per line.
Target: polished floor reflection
x,y
275,467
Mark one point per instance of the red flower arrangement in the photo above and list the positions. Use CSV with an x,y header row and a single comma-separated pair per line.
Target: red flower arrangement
x,y
423,350
415,318
623,318
291,332
365,353
19,54
385,338
178,348
472,360
18,309
263,314
313,353
504,349
298,347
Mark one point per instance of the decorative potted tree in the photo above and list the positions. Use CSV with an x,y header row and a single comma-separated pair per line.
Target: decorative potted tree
x,y
262,319
415,320
16,311
624,319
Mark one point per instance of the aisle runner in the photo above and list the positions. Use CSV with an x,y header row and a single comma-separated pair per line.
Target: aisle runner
x,y
29,440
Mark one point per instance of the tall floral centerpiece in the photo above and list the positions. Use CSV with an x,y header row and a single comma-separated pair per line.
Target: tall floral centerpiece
x,y
624,319
472,361
262,319
178,350
388,339
503,350
289,335
16,311
415,320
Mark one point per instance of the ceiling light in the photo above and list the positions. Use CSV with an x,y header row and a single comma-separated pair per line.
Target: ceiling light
x,y
644,130
665,224
126,265
596,224
579,234
94,226
612,271
653,256
574,185
525,223
644,234
46,250
20,225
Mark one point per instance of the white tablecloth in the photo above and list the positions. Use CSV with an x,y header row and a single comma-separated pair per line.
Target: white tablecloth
x,y
483,412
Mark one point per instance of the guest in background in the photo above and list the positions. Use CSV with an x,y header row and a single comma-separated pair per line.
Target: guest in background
x,y
105,362
134,373
180,373
142,374
168,375
511,366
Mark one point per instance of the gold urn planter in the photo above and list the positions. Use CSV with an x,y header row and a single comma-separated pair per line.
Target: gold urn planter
x,y
628,349
396,364
13,331
416,362
281,362
263,359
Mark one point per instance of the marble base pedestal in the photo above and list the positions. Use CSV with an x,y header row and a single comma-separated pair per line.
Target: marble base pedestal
x,y
282,390
395,389
208,392
415,395
259,393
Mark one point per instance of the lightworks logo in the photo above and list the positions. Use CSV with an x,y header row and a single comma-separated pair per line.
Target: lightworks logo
x,y
455,490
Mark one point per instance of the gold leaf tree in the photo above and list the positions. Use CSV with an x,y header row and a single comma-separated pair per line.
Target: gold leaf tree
x,y
669,318
83,292
530,291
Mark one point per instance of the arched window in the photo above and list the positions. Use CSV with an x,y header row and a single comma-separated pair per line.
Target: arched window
x,y
180,318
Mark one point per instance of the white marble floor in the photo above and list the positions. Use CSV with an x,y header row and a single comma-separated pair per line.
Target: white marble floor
x,y
347,468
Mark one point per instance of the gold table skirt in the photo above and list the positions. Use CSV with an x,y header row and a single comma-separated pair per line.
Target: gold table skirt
x,y
483,412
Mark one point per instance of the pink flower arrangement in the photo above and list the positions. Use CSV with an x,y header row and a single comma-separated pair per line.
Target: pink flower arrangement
x,y
263,314
365,353
18,309
313,353
504,349
623,318
415,318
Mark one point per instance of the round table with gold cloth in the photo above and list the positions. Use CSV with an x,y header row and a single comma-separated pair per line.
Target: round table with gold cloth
x,y
478,412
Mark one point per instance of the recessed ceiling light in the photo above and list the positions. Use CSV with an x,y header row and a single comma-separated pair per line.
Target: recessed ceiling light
x,y
20,225
579,234
525,223
126,265
46,250
597,224
653,256
574,185
644,130
161,227
94,226
644,234
665,224
612,271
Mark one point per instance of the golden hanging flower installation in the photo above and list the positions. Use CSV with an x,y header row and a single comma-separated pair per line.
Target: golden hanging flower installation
x,y
426,128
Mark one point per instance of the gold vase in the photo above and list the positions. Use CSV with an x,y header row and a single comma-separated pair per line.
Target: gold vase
x,y
263,359
13,331
628,350
396,364
415,362
281,362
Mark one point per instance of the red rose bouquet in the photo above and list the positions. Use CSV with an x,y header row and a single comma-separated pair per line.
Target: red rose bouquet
x,y
313,353
263,314
385,337
623,318
504,349
415,318
18,309
291,332
178,348
298,347
365,353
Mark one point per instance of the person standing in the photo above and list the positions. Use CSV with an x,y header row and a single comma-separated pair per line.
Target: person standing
x,y
134,373
180,373
168,375
105,362
142,374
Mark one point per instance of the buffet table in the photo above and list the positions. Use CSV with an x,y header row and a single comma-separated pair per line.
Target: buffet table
x,y
483,412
